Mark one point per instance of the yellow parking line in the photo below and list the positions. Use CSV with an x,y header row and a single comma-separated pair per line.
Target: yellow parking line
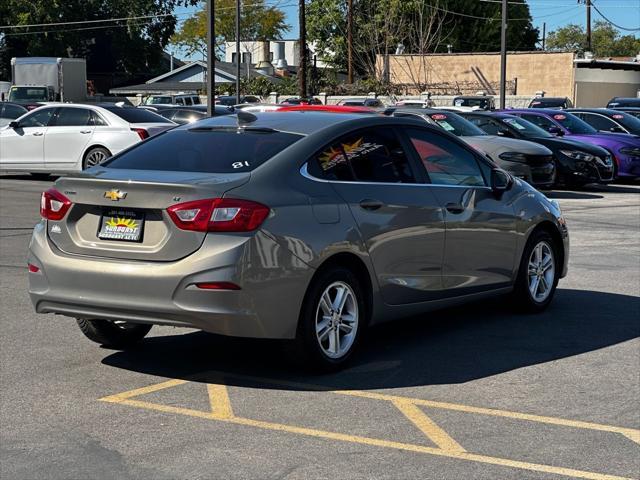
x,y
219,399
126,400
631,433
143,391
428,426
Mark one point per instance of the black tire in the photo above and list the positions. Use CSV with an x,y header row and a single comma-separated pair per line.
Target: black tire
x,y
110,334
87,161
522,297
306,348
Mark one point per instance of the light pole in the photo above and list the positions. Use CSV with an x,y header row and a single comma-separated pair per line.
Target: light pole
x,y
238,51
302,69
211,56
503,56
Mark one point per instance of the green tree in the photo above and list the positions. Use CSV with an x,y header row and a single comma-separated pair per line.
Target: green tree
x,y
327,26
257,22
124,50
606,40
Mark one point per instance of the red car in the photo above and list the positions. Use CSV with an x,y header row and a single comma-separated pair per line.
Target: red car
x,y
327,108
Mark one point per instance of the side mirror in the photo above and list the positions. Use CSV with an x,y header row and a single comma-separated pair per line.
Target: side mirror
x,y
557,131
14,124
505,133
617,129
500,180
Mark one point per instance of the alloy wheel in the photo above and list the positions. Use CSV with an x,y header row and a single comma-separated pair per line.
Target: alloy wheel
x,y
337,320
541,271
95,158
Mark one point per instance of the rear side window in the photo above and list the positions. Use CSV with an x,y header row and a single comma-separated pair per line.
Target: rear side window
x,y
73,117
446,162
205,150
137,115
372,155
97,120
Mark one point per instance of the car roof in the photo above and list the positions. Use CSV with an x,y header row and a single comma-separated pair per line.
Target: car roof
x,y
327,108
543,111
300,122
609,111
488,97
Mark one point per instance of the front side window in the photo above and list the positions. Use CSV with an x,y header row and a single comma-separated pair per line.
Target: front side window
x,y
446,162
598,121
13,111
39,118
373,155
487,125
540,121
73,117
526,128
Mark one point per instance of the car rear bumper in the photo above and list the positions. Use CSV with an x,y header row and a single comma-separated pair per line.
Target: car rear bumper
x,y
165,293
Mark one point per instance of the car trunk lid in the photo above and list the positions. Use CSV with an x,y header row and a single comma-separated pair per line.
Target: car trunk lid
x,y
132,204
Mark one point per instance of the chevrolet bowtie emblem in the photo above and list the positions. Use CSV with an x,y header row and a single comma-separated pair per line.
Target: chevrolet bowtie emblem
x,y
115,195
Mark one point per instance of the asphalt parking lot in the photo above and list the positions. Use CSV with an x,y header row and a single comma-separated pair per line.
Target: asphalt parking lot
x,y
467,393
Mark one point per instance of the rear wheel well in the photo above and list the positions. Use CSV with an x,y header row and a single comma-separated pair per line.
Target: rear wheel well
x,y
354,264
552,230
92,147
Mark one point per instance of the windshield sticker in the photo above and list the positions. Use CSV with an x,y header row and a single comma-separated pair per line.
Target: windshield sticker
x,y
446,125
439,116
617,116
514,123
560,117
333,156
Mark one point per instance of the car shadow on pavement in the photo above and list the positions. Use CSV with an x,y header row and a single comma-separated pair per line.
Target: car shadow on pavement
x,y
444,347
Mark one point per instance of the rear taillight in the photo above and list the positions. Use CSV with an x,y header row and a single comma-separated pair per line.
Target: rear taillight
x,y
54,205
218,215
217,286
142,133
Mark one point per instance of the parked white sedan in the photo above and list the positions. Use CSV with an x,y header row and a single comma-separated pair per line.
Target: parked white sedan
x,y
72,137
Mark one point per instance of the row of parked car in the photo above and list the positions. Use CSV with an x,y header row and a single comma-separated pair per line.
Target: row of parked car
x,y
545,147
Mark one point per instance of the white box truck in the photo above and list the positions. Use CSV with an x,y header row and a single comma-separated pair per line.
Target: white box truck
x,y
48,79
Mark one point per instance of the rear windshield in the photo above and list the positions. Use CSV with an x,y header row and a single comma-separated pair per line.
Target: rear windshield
x,y
205,150
483,103
574,124
624,102
137,115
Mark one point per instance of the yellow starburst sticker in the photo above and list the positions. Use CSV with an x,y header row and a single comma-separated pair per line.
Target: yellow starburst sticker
x,y
122,222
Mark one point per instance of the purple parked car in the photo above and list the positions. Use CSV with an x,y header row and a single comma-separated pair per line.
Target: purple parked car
x,y
625,148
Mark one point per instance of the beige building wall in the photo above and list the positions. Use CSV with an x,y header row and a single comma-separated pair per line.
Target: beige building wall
x,y
534,71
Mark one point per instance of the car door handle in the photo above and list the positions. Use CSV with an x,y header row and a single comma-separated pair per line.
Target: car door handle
x,y
38,134
369,204
454,208
85,131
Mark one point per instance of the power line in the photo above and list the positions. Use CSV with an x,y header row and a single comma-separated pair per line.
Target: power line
x,y
614,24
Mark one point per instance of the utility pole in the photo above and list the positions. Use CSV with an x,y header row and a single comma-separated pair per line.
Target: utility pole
x,y
349,41
211,56
503,56
588,2
238,51
302,68
544,35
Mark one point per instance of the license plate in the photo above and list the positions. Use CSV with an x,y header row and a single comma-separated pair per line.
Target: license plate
x,y
123,225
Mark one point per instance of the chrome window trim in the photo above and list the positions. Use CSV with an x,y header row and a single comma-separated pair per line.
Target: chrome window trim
x,y
304,171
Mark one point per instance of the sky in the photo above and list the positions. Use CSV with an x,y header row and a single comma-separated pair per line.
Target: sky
x,y
555,13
